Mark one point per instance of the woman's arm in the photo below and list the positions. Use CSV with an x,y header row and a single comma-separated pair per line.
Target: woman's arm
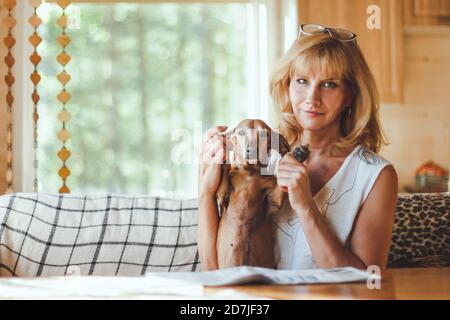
x,y
371,235
372,229
211,159
208,224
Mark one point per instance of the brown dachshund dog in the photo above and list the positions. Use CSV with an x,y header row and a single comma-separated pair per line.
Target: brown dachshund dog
x,y
247,196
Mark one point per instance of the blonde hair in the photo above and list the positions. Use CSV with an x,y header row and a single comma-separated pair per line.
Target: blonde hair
x,y
338,60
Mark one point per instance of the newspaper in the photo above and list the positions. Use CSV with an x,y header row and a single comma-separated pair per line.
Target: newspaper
x,y
172,285
93,287
246,275
88,287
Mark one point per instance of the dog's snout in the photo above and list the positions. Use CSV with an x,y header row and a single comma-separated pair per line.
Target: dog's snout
x,y
251,154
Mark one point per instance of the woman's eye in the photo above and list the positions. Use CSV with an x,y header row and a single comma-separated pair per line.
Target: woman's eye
x,y
329,84
301,81
241,132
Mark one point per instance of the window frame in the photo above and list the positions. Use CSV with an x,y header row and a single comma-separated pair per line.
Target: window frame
x,y
281,17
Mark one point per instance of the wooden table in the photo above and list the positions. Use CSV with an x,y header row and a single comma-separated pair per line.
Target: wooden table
x,y
417,283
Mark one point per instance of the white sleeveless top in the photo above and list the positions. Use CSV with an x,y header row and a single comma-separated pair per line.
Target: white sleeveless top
x,y
338,201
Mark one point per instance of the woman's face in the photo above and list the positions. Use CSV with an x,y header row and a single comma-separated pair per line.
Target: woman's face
x,y
317,101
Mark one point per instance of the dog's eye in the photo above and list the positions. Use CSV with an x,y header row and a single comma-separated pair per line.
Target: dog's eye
x,y
241,132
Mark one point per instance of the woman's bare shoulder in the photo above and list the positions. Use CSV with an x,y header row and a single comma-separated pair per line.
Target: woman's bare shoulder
x,y
384,192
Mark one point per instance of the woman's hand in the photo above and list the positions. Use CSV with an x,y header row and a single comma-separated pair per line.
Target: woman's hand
x,y
211,157
292,177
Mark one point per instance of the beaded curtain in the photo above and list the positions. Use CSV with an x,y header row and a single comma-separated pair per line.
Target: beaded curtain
x,y
63,97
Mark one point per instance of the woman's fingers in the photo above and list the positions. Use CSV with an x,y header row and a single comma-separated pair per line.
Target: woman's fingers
x,y
286,183
292,168
229,137
209,138
207,153
289,176
212,148
216,139
289,158
212,132
212,140
206,145
218,157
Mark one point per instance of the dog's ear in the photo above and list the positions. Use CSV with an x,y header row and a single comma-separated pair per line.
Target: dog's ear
x,y
275,198
283,145
224,190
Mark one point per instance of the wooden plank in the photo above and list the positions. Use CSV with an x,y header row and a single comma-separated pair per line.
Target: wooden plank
x,y
420,128
426,12
432,8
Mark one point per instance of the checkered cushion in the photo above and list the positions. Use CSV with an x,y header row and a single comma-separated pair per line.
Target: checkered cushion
x,y
53,235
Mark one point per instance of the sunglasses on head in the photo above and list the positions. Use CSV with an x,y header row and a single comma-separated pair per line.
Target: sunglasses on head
x,y
310,29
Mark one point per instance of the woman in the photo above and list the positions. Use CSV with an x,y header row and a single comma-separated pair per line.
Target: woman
x,y
342,198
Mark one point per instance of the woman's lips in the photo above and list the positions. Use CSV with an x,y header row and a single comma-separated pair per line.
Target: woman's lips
x,y
313,114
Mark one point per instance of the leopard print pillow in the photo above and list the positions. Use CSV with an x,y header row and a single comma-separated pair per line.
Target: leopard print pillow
x,y
421,235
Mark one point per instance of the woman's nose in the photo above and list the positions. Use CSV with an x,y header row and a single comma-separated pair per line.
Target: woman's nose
x,y
313,95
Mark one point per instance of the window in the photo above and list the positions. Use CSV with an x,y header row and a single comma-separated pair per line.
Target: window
x,y
147,79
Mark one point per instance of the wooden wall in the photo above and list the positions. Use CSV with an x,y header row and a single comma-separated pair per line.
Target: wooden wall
x,y
419,129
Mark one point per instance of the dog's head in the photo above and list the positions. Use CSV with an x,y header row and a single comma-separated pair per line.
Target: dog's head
x,y
252,141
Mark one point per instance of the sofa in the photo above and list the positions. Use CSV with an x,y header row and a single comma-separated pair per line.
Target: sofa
x,y
119,235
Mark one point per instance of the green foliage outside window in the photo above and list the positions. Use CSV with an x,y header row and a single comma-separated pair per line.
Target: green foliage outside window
x,y
140,73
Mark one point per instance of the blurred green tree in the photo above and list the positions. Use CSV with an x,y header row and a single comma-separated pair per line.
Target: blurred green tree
x,y
140,72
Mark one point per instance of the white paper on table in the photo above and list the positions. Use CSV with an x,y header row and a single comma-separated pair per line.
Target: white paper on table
x,y
96,287
244,275
222,294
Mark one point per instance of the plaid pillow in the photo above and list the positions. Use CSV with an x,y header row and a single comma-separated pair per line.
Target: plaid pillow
x,y
55,235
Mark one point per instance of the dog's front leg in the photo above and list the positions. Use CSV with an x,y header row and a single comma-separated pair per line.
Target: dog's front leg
x,y
275,199
224,190
233,241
